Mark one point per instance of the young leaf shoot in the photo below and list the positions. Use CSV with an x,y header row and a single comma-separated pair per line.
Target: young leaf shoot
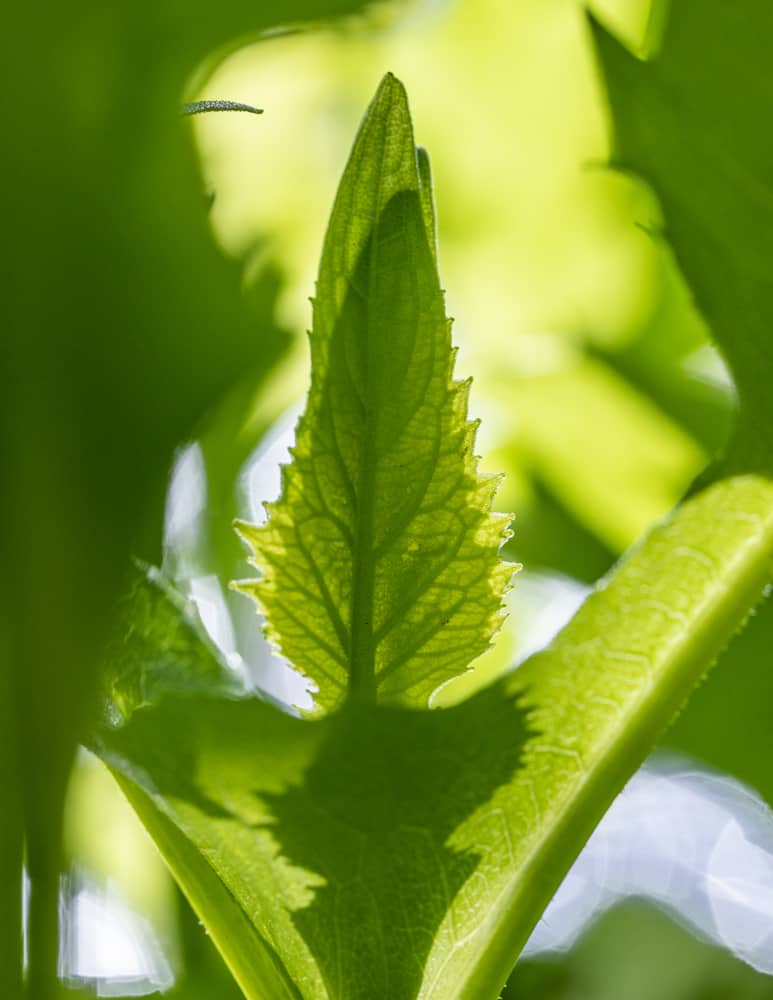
x,y
381,570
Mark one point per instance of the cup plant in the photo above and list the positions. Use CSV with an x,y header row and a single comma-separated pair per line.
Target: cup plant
x,y
380,846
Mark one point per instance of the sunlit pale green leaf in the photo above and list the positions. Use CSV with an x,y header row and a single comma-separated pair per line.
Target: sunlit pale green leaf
x,y
599,697
380,561
159,646
537,247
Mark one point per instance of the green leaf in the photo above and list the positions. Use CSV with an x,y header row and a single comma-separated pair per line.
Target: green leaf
x,y
380,561
140,328
383,851
692,122
603,693
637,952
348,857
159,646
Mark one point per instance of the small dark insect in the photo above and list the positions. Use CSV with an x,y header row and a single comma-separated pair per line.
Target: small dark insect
x,y
199,107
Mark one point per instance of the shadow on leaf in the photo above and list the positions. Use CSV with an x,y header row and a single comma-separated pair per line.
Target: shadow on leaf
x,y
352,830
374,815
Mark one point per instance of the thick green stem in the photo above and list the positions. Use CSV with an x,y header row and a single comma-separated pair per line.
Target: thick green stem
x,y
44,813
43,931
11,838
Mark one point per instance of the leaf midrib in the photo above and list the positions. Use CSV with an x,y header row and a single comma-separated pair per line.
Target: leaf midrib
x,y
362,653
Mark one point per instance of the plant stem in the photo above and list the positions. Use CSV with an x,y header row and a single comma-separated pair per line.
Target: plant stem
x,y
43,930
11,840
44,857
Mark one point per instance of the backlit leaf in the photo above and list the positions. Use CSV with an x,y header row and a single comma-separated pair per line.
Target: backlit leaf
x,y
380,561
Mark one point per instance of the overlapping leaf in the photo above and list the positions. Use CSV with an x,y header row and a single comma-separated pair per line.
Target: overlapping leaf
x,y
380,561
159,646
386,851
347,857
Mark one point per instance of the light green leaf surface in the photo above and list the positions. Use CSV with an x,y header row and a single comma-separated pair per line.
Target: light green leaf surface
x,y
605,690
387,852
380,561
159,646
343,857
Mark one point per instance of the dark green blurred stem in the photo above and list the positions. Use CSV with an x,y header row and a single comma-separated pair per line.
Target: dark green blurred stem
x,y
44,856
11,837
43,927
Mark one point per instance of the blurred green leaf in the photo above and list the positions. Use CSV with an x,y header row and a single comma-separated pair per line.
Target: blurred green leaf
x,y
160,646
637,952
122,324
549,536
727,723
346,857
688,122
232,433
621,488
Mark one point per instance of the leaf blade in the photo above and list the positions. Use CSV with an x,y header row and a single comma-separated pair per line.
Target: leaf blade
x,y
555,741
688,122
605,690
249,958
382,512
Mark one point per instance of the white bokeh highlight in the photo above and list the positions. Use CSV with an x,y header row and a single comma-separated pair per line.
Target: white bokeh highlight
x,y
111,947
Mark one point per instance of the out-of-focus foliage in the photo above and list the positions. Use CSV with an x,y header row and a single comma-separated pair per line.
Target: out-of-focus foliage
x,y
639,953
728,721
687,122
121,324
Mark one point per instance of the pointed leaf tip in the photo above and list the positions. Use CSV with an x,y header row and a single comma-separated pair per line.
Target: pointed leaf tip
x,y
381,570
